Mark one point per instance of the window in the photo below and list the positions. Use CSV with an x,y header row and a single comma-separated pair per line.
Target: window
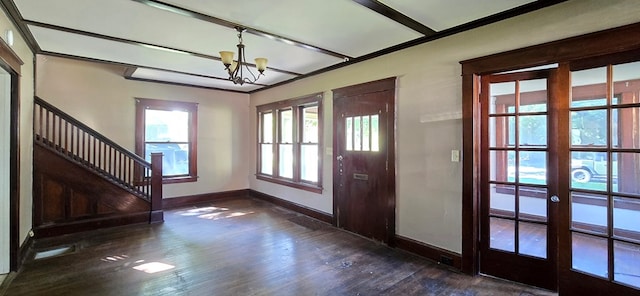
x,y
169,128
289,141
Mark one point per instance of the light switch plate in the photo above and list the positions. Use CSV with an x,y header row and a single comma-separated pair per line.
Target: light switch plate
x,y
455,155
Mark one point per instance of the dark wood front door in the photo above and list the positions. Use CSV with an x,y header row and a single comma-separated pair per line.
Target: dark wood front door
x,y
363,167
519,203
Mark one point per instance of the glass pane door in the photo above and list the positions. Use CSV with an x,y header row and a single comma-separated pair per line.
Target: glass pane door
x,y
515,233
605,173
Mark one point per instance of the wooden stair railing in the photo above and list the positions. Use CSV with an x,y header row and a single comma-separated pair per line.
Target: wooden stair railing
x,y
66,136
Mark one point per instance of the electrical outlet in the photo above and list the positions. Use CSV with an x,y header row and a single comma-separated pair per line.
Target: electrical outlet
x,y
446,260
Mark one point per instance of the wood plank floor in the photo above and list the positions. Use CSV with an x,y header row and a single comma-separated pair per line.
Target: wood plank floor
x,y
240,247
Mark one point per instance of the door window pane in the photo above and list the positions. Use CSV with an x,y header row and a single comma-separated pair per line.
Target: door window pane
x,y
502,234
533,167
589,254
502,166
589,128
365,133
375,129
626,218
502,96
625,172
502,200
502,131
625,83
589,212
349,133
589,170
587,84
357,134
533,95
532,203
624,128
532,130
626,263
532,239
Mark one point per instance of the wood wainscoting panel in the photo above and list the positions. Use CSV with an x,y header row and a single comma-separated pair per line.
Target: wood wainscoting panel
x,y
68,197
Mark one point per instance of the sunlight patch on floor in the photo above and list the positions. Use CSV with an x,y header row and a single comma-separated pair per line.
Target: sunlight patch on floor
x,y
153,267
54,252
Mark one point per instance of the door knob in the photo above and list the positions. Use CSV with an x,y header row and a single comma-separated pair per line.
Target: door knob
x,y
555,198
339,158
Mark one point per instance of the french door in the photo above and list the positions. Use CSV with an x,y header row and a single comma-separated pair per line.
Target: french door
x,y
519,189
560,177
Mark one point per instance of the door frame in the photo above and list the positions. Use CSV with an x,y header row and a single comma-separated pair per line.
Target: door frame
x,y
10,61
619,41
360,89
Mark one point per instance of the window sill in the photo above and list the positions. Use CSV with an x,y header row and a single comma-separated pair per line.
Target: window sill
x,y
298,185
179,179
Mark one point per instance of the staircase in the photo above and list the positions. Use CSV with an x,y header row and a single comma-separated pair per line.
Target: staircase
x,y
84,181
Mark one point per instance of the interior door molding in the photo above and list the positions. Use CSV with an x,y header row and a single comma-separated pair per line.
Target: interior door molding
x,y
10,61
620,41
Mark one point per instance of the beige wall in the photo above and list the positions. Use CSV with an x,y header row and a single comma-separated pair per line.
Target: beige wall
x,y
99,96
428,123
428,127
26,110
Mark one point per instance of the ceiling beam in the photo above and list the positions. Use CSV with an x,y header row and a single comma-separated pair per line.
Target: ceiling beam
x,y
143,44
395,15
228,24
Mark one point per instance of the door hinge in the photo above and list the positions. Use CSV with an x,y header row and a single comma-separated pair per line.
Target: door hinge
x,y
387,107
386,165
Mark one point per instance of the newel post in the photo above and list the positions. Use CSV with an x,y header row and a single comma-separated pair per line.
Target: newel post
x,y
157,216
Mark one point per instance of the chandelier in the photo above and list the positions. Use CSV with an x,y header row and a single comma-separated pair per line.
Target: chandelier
x,y
235,67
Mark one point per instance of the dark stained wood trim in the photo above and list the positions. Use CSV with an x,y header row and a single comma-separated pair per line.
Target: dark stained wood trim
x,y
367,87
294,104
156,214
428,251
297,185
129,71
396,16
191,200
183,84
313,213
90,225
228,24
16,18
142,104
25,249
142,44
470,175
569,49
14,173
10,57
10,62
597,45
92,60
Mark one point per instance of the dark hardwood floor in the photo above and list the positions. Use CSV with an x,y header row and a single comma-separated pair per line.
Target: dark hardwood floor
x,y
239,247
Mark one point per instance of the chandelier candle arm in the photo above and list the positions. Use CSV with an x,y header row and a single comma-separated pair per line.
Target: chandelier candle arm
x,y
235,67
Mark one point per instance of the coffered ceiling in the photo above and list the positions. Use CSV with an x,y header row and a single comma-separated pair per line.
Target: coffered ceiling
x,y
177,41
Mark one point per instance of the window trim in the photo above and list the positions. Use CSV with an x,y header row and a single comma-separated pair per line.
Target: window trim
x,y
141,105
296,105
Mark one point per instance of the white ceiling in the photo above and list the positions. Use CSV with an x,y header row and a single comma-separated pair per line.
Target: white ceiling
x,y
177,41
